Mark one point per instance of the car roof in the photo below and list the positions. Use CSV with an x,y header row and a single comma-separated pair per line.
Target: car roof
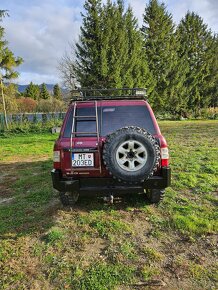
x,y
102,103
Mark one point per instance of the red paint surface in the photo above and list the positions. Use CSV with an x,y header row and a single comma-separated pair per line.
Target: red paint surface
x,y
63,144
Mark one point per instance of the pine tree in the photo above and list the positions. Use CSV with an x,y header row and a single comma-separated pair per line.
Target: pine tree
x,y
160,47
196,51
110,52
57,92
7,64
89,46
114,52
44,94
123,62
213,90
136,72
32,91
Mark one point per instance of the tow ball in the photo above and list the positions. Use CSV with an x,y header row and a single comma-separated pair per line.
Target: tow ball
x,y
109,198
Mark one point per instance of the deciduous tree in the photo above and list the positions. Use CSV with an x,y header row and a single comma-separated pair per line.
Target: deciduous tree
x,y
7,64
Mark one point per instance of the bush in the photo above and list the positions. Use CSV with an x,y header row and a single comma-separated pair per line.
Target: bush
x,y
32,127
209,113
26,105
50,105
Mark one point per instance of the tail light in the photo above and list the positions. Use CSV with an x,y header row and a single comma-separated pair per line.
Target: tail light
x,y
56,158
164,152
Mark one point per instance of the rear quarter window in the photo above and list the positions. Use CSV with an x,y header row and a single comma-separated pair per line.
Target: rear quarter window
x,y
82,124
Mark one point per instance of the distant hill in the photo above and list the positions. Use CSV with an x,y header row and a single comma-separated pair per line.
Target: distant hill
x,y
22,88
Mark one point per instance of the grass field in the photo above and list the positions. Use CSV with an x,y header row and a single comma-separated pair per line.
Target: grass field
x,y
128,245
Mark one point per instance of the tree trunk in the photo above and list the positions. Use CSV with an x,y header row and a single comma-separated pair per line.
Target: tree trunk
x,y
4,107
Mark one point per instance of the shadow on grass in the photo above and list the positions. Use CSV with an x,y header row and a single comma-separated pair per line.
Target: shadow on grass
x,y
27,200
123,202
30,203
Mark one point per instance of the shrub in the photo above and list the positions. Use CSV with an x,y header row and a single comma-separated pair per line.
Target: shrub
x,y
50,105
26,105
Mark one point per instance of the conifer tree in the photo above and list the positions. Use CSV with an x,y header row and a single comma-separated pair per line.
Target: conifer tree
x,y
136,72
123,61
32,91
89,46
7,64
196,51
44,94
213,90
110,51
114,50
57,92
160,47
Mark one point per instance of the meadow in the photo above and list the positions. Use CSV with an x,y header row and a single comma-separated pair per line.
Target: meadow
x,y
128,245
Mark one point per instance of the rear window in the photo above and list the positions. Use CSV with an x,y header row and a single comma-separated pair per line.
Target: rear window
x,y
110,119
114,118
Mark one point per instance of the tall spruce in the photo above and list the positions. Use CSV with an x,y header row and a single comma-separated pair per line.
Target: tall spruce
x,y
214,74
57,92
89,46
114,51
196,51
110,50
123,59
135,71
160,46
8,62
32,91
44,93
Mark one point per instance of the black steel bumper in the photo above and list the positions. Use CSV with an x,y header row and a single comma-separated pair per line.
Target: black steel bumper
x,y
107,184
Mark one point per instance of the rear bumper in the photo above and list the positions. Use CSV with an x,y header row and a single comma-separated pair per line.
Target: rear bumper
x,y
107,185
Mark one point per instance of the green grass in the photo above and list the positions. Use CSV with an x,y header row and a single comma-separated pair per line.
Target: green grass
x,y
15,147
99,246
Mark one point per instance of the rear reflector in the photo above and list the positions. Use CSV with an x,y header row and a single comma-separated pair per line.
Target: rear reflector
x,y
164,162
56,156
164,157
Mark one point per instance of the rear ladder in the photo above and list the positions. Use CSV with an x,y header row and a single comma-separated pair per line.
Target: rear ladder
x,y
74,133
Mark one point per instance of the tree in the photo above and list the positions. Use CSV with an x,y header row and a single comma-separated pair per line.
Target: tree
x,y
213,90
44,94
7,64
57,92
161,50
67,71
89,46
110,49
10,97
196,46
32,91
123,62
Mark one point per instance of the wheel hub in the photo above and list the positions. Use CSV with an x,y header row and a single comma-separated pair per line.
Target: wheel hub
x,y
131,155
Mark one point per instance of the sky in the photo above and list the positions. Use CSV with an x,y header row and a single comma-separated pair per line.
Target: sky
x,y
40,31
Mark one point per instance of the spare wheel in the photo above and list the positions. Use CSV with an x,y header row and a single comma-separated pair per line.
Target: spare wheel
x,y
131,154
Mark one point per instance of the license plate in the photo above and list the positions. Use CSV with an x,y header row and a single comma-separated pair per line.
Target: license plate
x,y
82,159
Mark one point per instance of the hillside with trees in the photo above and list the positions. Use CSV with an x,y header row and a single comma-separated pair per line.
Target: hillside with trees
x,y
176,63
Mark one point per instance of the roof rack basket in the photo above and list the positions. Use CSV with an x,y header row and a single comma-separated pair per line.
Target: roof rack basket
x,y
91,94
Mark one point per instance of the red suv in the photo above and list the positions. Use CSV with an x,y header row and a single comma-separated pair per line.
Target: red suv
x,y
110,144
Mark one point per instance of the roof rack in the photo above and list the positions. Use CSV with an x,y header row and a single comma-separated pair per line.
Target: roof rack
x,y
91,94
